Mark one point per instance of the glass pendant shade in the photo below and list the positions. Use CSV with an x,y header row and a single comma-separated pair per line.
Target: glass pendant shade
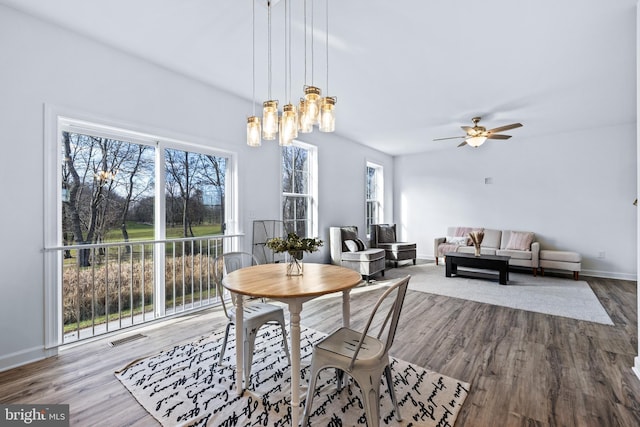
x,y
327,114
282,138
476,141
269,120
304,124
312,96
254,132
289,122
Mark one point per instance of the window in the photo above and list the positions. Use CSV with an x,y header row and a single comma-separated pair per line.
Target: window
x,y
109,192
132,223
374,195
195,193
299,189
106,183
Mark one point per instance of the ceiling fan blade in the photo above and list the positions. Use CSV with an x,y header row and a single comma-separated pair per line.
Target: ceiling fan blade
x,y
467,129
462,144
451,137
498,136
506,127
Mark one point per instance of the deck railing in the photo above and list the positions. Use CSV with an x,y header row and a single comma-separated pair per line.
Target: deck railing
x,y
111,286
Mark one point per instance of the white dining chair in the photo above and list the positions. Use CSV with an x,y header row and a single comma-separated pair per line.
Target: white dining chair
x,y
363,357
255,314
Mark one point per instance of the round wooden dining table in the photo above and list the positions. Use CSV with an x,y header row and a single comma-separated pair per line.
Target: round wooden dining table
x,y
271,281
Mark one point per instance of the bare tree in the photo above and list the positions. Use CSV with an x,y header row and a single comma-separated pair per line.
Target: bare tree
x,y
178,164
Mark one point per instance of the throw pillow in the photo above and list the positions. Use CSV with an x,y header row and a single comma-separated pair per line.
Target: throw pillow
x,y
386,234
361,245
355,245
351,245
457,240
520,241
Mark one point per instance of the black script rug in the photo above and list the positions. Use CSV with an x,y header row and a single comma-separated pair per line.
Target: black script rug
x,y
187,386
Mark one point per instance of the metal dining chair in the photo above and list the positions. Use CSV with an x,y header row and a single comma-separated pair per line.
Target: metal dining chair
x,y
255,314
361,356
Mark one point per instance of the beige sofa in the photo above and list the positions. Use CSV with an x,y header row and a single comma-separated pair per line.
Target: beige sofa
x,y
519,245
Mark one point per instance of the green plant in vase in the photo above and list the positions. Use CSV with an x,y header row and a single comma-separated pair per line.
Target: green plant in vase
x,y
295,246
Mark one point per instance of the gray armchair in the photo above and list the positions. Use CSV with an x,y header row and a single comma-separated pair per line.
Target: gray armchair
x,y
347,250
384,236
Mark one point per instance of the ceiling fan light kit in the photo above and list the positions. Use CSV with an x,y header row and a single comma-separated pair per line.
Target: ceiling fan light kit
x,y
477,135
476,141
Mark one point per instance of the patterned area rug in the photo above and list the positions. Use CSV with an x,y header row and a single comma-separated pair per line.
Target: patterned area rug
x,y
186,386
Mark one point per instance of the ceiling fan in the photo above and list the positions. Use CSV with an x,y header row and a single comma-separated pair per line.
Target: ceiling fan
x,y
477,135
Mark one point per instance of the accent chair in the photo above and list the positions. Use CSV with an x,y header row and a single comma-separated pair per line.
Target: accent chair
x,y
384,236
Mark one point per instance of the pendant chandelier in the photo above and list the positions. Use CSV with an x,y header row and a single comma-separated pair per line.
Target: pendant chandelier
x,y
312,109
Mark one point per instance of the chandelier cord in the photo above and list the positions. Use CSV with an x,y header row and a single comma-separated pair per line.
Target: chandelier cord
x,y
289,45
305,42
253,56
327,45
269,42
312,44
286,62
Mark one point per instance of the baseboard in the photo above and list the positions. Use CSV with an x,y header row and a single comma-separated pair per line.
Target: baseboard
x,y
636,368
609,274
19,358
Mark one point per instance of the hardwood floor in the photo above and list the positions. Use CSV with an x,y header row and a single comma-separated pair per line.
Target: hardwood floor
x,y
525,369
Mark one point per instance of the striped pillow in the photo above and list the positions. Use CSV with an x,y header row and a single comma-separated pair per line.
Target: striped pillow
x,y
520,241
355,245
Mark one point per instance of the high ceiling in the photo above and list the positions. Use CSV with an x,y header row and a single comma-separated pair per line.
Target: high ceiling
x,y
404,71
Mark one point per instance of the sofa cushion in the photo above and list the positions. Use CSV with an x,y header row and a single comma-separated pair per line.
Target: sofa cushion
x,y
398,246
491,238
366,255
519,240
483,250
514,254
561,256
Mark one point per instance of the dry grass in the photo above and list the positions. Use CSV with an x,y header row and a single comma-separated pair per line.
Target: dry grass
x,y
120,286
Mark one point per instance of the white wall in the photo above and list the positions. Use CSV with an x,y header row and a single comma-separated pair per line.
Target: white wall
x,y
574,190
636,364
43,64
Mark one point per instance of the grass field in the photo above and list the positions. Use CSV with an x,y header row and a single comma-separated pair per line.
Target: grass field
x,y
138,231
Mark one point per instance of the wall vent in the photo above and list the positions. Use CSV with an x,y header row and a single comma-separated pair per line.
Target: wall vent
x,y
125,340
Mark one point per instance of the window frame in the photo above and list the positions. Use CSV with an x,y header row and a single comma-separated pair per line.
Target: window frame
x,y
312,195
58,119
379,195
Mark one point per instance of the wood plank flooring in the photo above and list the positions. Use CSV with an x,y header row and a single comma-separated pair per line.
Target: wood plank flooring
x,y
525,369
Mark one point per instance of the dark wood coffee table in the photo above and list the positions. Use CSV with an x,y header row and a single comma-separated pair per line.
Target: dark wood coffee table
x,y
453,260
